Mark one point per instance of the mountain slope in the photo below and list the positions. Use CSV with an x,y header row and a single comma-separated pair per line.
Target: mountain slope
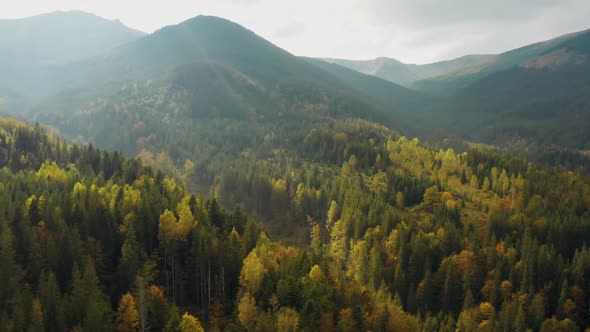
x,y
235,71
540,93
406,74
537,94
451,82
30,47
384,90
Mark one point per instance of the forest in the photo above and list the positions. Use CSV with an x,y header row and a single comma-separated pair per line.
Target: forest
x,y
201,178
353,228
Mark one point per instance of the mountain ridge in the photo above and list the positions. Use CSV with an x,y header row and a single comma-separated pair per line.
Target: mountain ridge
x,y
32,47
406,74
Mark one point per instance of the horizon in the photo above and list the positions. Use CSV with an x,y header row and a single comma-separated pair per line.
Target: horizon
x,y
328,45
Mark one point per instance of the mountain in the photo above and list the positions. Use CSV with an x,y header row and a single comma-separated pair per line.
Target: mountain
x,y
406,74
384,90
308,213
451,82
208,39
30,47
539,93
536,94
412,237
210,67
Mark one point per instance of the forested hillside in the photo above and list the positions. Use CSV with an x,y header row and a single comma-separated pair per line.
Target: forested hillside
x,y
94,241
208,67
394,236
254,190
537,94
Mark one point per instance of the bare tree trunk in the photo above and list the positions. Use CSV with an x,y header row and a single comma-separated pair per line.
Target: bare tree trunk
x,y
166,267
173,281
209,288
142,305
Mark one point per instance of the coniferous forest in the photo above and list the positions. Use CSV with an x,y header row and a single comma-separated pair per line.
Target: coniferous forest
x,y
200,178
401,238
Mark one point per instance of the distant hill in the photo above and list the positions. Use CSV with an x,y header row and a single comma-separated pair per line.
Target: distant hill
x,y
384,90
208,69
30,47
539,93
406,74
230,62
452,81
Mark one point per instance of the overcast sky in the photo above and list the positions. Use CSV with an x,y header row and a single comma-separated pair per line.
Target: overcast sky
x,y
413,31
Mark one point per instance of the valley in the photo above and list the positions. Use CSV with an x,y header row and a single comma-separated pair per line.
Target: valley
x,y
202,178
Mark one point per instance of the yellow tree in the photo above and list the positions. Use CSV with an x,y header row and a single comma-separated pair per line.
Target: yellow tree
x,y
316,240
36,316
189,323
173,231
288,320
400,201
346,320
127,315
247,311
253,272
332,215
339,243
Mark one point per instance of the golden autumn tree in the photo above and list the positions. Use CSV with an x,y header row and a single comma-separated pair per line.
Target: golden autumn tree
x,y
190,323
288,320
127,316
346,320
247,310
253,272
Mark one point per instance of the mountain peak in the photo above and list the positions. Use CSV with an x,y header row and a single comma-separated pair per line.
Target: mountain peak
x,y
386,59
212,22
64,14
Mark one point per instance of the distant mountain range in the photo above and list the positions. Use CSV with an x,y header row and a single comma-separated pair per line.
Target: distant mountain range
x,y
205,68
407,74
55,70
539,93
30,47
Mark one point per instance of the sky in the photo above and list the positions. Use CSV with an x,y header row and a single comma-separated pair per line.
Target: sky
x,y
412,31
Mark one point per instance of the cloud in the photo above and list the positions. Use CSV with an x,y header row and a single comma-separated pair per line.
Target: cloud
x,y
416,31
289,30
433,13
244,2
430,30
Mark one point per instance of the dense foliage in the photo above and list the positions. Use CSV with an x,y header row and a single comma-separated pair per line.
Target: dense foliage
x,y
318,219
84,232
386,234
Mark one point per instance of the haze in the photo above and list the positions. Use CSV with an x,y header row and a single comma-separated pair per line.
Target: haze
x,y
414,32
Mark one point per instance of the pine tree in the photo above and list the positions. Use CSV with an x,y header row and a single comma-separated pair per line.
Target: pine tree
x,y
131,258
51,303
37,317
563,297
